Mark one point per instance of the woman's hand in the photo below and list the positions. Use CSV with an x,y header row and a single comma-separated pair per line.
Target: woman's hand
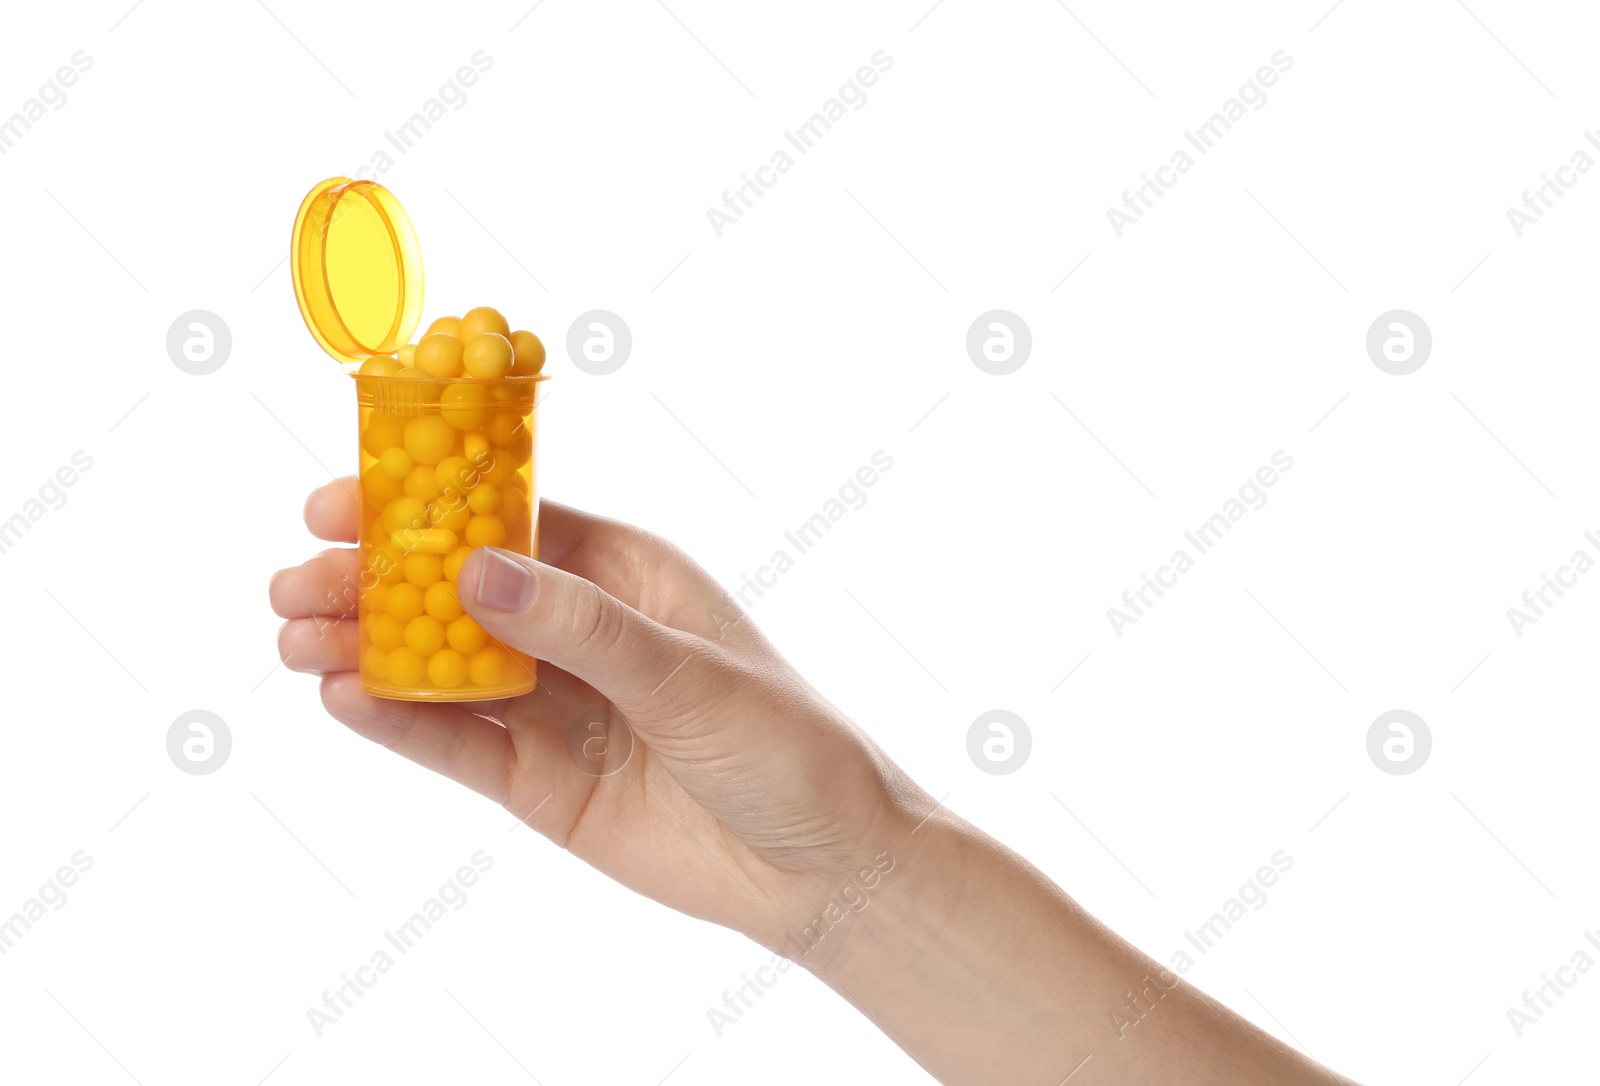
x,y
717,782
667,743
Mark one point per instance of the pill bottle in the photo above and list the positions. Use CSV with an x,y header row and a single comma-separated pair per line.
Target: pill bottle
x,y
445,464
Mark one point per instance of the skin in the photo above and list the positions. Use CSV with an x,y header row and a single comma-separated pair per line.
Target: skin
x,y
750,801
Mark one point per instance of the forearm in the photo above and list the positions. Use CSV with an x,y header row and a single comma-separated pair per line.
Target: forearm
x,y
986,972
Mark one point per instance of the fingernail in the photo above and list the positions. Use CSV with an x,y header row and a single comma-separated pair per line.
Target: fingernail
x,y
503,584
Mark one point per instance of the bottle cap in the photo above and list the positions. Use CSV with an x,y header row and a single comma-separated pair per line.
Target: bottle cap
x,y
357,269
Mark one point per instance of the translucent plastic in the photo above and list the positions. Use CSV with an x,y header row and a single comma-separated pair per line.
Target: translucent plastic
x,y
357,269
446,466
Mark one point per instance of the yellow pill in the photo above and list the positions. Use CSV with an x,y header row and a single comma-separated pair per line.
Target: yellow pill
x,y
374,600
395,463
485,531
519,536
381,431
480,320
465,635
424,540
388,632
379,365
448,669
429,439
450,511
488,666
450,326
518,452
487,356
453,561
454,470
439,355
505,427
410,372
464,406
475,448
377,489
405,667
404,602
385,562
423,570
405,513
441,602
484,499
424,635
513,505
407,356
500,471
419,484
372,663
529,354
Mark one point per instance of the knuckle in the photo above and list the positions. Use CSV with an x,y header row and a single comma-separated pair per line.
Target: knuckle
x,y
595,623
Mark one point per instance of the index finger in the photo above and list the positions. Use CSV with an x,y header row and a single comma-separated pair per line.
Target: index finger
x,y
333,510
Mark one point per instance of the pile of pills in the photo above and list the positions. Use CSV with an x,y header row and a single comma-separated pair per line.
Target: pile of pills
x,y
444,472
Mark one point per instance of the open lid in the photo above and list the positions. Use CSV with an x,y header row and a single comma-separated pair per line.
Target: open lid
x,y
357,269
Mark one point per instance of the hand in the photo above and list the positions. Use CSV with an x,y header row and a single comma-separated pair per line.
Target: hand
x,y
746,800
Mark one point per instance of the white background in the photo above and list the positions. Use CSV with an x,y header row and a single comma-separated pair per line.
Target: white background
x,y
768,365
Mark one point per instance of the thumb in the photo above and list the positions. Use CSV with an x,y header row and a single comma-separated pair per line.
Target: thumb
x,y
573,623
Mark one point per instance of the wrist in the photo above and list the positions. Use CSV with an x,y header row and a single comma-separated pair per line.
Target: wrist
x,y
904,881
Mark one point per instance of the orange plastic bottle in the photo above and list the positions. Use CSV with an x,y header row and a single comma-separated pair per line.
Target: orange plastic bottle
x,y
446,464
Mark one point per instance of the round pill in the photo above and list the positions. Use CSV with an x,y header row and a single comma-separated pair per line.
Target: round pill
x,y
513,505
454,471
505,427
430,438
375,600
379,365
519,536
410,372
453,561
372,663
487,356
465,635
424,635
407,355
450,326
447,669
485,531
484,498
395,463
384,561
441,602
498,472
377,489
405,667
464,406
405,602
439,355
518,451
450,511
419,484
483,319
475,448
388,632
380,431
488,666
423,570
405,513
529,354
